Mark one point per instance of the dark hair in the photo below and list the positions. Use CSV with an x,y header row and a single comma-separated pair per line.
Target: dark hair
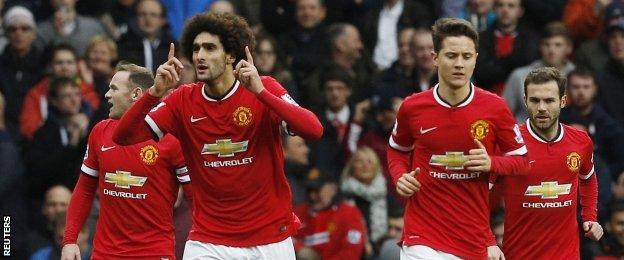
x,y
543,75
583,73
51,52
337,74
616,207
233,32
140,77
555,29
449,27
56,83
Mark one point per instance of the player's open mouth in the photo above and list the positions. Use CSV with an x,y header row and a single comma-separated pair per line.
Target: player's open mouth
x,y
202,67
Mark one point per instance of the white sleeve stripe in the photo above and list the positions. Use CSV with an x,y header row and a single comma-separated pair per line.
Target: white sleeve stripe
x,y
585,177
394,145
520,151
181,170
89,171
184,178
154,126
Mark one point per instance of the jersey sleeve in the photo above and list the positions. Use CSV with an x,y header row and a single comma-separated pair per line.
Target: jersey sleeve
x,y
587,160
162,118
91,162
401,138
508,138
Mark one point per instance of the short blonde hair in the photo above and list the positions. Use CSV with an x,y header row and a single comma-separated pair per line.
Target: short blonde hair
x,y
368,152
110,44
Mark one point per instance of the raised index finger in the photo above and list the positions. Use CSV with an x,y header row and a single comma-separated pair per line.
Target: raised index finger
x,y
171,51
249,57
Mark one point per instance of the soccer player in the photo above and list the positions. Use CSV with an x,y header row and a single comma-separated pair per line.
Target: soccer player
x,y
540,215
229,125
452,130
137,185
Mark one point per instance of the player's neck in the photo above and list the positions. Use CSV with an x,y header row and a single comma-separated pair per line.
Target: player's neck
x,y
219,86
548,134
453,96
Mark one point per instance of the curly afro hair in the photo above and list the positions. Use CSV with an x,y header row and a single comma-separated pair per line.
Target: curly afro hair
x,y
233,31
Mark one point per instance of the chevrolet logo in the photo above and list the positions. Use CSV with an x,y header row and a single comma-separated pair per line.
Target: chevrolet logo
x,y
451,160
123,179
225,148
548,190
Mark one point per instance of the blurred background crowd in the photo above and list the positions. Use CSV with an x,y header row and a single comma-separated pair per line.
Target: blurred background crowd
x,y
352,62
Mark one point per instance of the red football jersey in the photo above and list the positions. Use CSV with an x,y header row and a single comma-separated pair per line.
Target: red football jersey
x,y
335,233
137,187
233,149
450,213
540,216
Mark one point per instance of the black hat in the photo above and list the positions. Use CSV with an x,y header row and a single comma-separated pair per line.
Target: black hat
x,y
316,179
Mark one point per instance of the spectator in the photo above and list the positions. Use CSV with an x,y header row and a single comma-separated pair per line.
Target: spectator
x,y
346,56
497,224
67,26
612,246
504,47
383,25
426,71
331,151
304,45
610,80
594,54
3,38
222,6
389,247
148,44
56,200
376,135
607,135
363,183
35,109
20,64
480,13
98,69
400,79
555,47
331,228
12,189
57,225
297,166
269,63
59,145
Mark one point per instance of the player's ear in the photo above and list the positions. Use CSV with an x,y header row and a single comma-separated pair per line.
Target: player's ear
x,y
230,59
434,56
136,93
564,100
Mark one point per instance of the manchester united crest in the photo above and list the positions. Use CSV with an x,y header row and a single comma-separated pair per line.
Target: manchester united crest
x,y
242,116
573,161
479,129
149,154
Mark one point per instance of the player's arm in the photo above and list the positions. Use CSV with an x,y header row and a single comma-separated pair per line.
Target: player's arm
x,y
399,151
300,120
588,191
135,126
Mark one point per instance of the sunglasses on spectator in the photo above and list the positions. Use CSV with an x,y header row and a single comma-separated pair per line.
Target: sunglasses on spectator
x,y
24,28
